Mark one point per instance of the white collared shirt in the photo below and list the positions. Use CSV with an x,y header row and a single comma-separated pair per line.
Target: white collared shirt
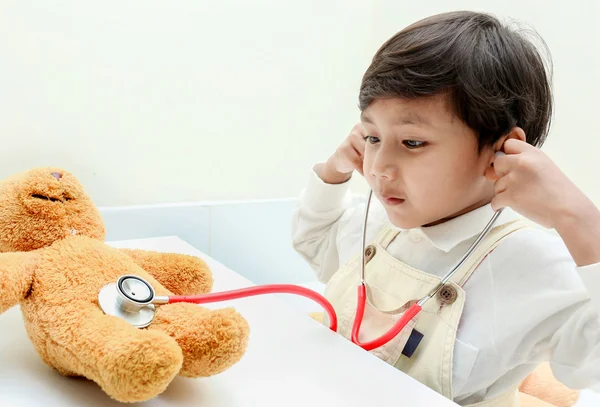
x,y
525,304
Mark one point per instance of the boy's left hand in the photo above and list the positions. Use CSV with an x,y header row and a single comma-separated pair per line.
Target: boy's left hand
x,y
529,182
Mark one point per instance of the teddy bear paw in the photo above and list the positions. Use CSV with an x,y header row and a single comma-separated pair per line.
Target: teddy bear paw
x,y
140,367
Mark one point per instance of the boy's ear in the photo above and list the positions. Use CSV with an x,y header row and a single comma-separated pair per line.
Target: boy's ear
x,y
515,132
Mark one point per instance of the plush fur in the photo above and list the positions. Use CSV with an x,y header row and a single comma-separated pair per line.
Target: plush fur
x,y
54,261
543,386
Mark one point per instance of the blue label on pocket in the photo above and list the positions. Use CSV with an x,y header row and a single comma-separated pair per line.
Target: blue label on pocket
x,y
413,342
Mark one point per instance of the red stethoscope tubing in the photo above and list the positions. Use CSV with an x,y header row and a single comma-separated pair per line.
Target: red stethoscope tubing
x,y
390,334
259,290
305,292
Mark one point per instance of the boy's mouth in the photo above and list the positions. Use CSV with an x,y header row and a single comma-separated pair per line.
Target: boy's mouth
x,y
392,200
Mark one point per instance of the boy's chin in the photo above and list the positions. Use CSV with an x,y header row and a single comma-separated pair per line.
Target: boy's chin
x,y
404,220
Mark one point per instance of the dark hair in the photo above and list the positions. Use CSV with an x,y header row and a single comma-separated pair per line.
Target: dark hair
x,y
494,76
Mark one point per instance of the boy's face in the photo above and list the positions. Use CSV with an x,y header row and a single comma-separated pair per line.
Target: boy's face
x,y
422,162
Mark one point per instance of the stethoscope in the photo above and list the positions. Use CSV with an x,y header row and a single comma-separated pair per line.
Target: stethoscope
x,y
133,299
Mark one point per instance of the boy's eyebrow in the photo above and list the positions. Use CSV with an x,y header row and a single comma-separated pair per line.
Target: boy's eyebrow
x,y
412,118
365,118
405,118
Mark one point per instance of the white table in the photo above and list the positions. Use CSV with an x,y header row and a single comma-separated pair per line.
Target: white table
x,y
291,361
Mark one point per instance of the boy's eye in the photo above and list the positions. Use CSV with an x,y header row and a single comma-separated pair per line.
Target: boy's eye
x,y
372,139
414,143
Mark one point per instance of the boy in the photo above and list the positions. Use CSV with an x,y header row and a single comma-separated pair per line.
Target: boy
x,y
438,101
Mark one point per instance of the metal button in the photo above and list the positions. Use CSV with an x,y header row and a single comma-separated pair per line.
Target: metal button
x,y
447,294
369,253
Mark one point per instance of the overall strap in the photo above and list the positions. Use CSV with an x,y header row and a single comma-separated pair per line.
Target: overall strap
x,y
494,237
386,235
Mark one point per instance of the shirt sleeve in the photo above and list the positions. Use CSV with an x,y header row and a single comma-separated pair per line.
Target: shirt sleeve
x,y
327,225
576,345
548,309
590,275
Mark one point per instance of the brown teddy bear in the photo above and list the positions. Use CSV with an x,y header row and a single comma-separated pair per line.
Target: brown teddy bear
x,y
54,262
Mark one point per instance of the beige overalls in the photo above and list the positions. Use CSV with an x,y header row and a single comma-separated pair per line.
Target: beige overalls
x,y
392,287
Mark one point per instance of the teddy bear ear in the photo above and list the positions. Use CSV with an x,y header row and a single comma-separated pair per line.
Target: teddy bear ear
x,y
28,174
56,172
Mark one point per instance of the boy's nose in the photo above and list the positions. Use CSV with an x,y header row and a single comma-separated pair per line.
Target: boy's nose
x,y
387,170
385,164
57,175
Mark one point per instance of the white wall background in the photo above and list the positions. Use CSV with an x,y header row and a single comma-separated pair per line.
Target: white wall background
x,y
151,101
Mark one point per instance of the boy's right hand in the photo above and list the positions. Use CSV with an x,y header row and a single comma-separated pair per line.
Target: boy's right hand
x,y
347,158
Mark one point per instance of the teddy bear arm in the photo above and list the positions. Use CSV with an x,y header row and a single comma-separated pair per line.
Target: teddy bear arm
x,y
543,385
179,273
16,277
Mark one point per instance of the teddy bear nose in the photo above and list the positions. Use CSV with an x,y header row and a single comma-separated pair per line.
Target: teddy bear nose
x,y
57,175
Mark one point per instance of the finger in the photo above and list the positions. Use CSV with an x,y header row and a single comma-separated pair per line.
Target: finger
x,y
500,167
357,162
358,131
358,148
490,174
503,164
358,142
515,146
353,155
500,201
500,185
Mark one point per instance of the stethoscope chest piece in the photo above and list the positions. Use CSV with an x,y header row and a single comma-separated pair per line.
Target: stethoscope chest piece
x,y
129,299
